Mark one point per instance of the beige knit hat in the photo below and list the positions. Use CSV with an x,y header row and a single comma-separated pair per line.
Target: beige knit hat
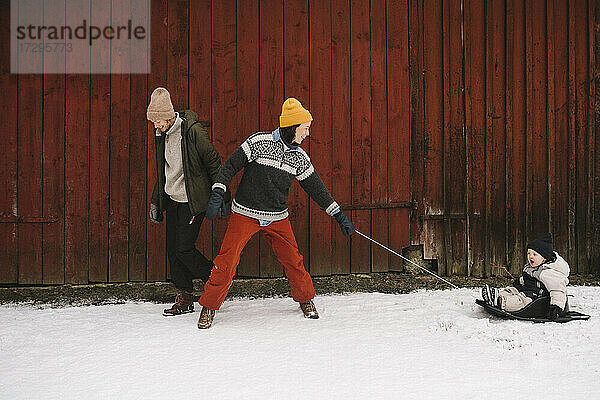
x,y
160,107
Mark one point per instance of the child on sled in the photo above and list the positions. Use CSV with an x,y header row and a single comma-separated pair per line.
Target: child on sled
x,y
545,274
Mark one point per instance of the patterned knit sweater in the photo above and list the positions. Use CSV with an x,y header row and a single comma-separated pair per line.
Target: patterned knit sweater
x,y
269,171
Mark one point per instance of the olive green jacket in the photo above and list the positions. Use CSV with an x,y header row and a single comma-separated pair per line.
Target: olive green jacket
x,y
201,164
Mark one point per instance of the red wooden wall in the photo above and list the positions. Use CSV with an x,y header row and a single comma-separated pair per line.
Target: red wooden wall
x,y
467,127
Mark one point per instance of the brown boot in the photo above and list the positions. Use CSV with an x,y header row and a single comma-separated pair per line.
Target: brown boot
x,y
309,310
206,318
184,303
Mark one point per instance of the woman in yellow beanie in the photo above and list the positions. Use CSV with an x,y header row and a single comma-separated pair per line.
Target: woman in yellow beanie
x,y
271,161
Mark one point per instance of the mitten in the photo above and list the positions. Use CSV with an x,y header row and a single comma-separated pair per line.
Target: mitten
x,y
155,215
215,202
554,312
345,224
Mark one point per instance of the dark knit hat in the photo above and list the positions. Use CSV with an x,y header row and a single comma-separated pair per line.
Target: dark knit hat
x,y
543,246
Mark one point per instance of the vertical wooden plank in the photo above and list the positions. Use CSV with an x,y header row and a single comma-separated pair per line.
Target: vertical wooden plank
x,y
360,47
8,163
271,78
475,80
137,161
399,124
53,243
296,84
594,19
177,60
559,129
582,136
572,255
29,161
515,135
379,135
223,89
417,119
434,130
321,146
77,172
341,121
155,233
454,142
200,94
248,105
537,112
120,98
496,142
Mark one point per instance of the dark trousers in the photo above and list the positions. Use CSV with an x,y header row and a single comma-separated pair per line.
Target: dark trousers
x,y
186,262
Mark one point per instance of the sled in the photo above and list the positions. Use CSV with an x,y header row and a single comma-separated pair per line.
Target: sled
x,y
535,311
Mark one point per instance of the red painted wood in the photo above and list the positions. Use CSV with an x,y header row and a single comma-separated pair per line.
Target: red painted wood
x,y
248,105
320,140
572,256
515,135
342,128
271,91
398,125
8,163
582,136
417,115
496,137
360,41
559,129
77,172
155,233
434,126
138,207
120,101
454,140
223,91
379,135
177,51
536,102
200,92
53,235
594,22
296,84
475,80
29,159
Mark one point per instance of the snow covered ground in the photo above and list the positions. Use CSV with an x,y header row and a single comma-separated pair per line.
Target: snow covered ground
x,y
422,345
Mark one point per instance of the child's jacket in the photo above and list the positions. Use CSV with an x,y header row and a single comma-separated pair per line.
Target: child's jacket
x,y
553,276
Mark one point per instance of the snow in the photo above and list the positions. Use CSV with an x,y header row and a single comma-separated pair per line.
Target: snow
x,y
422,345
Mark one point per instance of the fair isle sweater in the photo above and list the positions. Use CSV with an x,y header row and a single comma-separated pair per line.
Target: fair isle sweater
x,y
270,168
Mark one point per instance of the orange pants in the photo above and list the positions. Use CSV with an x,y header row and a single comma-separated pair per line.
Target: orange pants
x,y
281,238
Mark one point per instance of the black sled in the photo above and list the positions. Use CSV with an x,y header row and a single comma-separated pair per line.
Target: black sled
x,y
536,311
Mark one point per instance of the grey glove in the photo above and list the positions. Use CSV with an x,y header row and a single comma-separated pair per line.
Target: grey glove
x,y
346,226
155,215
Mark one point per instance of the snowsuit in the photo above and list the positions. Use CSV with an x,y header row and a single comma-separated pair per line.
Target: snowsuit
x,y
199,162
270,167
549,278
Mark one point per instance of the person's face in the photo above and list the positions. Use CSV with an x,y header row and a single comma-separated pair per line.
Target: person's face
x,y
302,132
534,258
162,125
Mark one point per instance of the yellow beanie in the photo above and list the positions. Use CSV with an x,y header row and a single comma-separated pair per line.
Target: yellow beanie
x,y
160,107
292,113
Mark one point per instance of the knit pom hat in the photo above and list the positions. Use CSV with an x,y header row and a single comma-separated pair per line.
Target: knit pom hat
x,y
160,107
292,113
543,246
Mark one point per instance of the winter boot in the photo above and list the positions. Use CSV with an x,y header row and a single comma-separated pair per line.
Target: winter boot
x,y
184,303
206,318
490,295
309,310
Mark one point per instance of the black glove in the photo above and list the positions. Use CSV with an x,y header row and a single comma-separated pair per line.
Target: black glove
x,y
155,215
215,202
346,225
226,206
554,312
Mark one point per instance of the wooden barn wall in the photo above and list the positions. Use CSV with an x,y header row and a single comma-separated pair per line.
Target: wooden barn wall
x,y
464,127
